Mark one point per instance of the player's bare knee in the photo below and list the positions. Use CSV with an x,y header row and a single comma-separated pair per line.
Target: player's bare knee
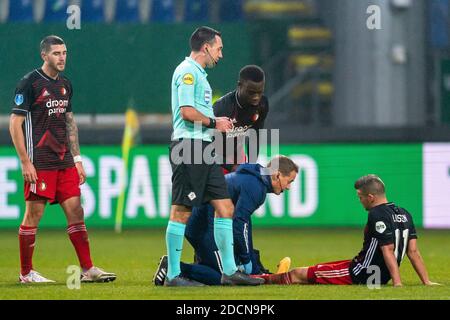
x,y
32,219
75,215
33,215
299,275
225,210
180,214
79,213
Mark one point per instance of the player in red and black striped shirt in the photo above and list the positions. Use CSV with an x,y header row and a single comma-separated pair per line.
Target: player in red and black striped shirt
x,y
247,107
45,136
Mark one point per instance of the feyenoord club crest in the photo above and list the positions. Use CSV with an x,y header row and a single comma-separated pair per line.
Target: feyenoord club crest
x,y
255,117
63,91
42,186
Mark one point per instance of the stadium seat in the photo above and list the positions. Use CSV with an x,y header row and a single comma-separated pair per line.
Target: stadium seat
x,y
304,61
163,11
311,36
92,10
21,10
127,11
56,10
277,9
196,10
439,15
231,10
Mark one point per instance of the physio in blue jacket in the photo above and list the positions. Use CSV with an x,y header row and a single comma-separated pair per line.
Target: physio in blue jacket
x,y
247,187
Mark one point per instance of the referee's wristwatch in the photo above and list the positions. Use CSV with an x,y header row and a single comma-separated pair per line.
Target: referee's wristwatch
x,y
212,123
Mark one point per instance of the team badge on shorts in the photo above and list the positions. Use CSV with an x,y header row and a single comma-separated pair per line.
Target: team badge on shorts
x,y
18,99
42,186
192,196
188,78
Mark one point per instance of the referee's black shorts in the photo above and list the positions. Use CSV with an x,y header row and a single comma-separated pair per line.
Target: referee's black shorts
x,y
193,183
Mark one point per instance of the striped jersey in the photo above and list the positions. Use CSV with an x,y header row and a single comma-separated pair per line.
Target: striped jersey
x,y
243,118
386,224
44,102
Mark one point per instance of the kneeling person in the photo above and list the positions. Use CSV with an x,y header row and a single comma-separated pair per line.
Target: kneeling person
x,y
248,187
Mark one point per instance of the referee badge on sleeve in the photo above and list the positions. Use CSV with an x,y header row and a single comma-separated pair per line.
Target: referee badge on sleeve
x,y
18,99
188,79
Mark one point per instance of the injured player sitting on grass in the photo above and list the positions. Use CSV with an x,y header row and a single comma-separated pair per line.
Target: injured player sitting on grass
x,y
388,235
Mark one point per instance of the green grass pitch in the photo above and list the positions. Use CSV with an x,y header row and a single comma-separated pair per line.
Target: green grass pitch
x,y
134,255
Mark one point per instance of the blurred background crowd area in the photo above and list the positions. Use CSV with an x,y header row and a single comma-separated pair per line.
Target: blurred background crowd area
x,y
329,75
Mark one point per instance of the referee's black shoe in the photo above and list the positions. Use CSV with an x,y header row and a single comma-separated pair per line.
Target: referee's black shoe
x,y
240,279
180,281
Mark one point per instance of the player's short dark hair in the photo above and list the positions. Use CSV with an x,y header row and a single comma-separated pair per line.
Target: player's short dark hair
x,y
201,36
370,184
285,165
49,41
251,72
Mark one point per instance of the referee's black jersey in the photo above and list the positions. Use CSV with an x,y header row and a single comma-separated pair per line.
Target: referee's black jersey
x,y
243,118
43,102
386,224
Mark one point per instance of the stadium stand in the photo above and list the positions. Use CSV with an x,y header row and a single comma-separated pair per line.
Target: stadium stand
x,y
20,10
196,10
93,10
162,11
231,10
439,13
127,11
300,77
277,9
55,10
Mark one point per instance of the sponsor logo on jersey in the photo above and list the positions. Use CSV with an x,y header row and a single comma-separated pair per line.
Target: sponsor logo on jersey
x,y
188,79
18,99
380,227
56,106
57,103
238,131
